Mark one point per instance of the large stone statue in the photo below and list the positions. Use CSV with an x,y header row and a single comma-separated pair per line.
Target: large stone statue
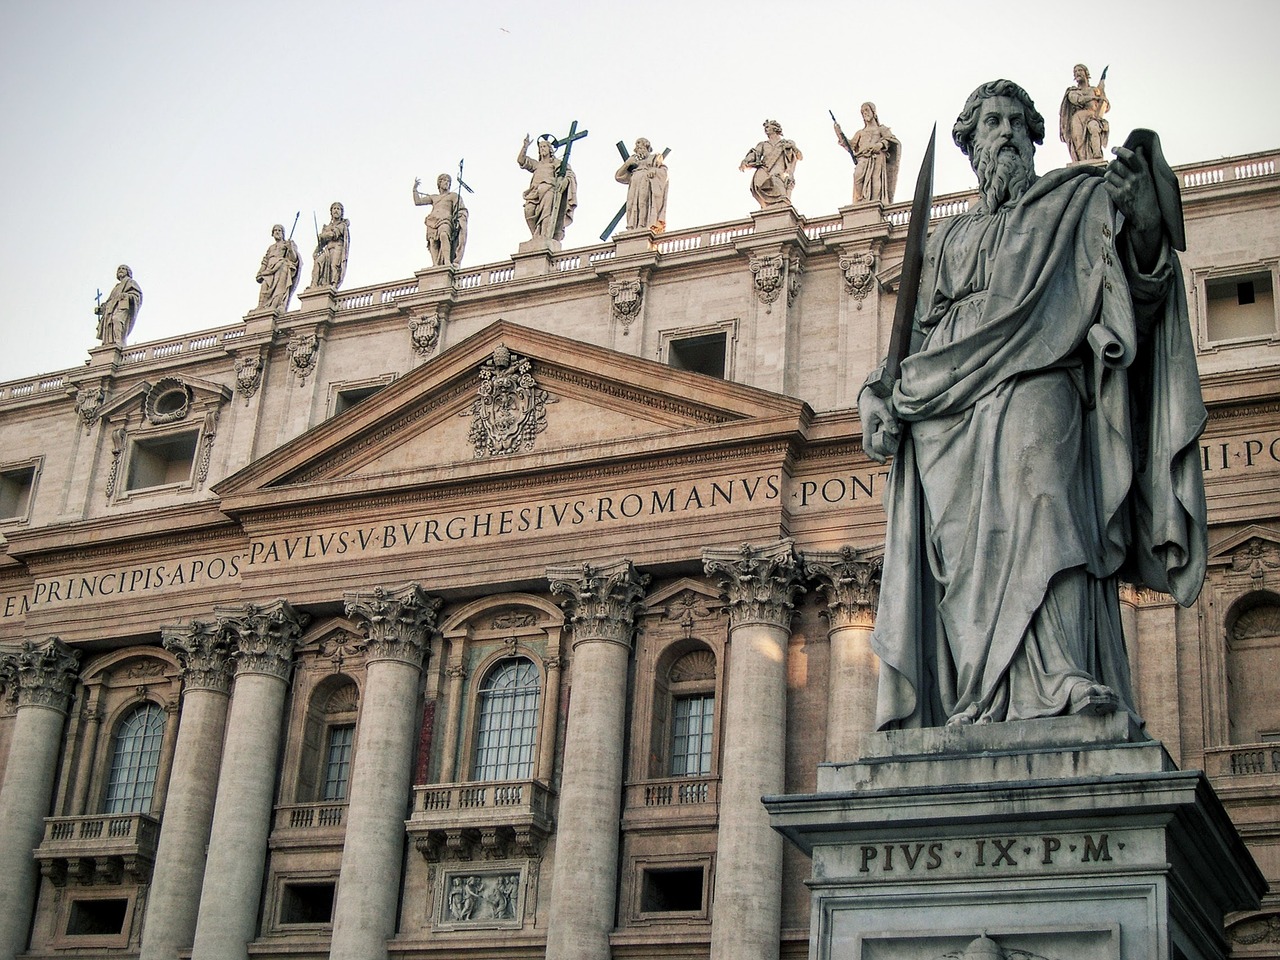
x,y
278,273
773,161
446,223
645,175
1081,123
548,192
118,312
875,152
329,264
1045,426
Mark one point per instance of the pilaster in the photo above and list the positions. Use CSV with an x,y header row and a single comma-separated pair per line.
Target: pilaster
x,y
760,586
602,605
42,678
396,624
850,581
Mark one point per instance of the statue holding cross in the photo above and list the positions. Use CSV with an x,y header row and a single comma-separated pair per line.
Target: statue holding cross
x,y
553,189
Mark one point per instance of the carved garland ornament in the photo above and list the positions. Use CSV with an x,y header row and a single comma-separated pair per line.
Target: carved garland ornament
x,y
626,297
167,402
858,275
248,375
510,409
424,332
303,348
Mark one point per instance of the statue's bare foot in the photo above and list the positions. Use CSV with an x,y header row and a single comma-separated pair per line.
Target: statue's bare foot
x,y
1095,700
960,719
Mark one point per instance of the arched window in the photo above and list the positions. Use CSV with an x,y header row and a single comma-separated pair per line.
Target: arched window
x,y
135,757
508,723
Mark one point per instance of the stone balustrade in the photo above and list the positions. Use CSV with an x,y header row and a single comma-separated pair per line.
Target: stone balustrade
x,y
1243,760
500,816
674,792
98,848
310,817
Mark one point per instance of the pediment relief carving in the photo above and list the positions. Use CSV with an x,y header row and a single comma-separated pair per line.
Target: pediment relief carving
x,y
160,403
510,399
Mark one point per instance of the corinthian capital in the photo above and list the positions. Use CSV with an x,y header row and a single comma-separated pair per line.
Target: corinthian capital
x,y
41,674
204,652
850,580
264,634
760,583
396,623
602,601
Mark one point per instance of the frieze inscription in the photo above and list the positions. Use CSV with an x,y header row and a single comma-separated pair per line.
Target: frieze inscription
x,y
983,855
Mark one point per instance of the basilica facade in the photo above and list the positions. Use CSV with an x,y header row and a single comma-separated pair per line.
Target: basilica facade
x,y
471,614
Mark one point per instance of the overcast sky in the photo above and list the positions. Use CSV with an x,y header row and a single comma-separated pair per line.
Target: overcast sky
x,y
171,136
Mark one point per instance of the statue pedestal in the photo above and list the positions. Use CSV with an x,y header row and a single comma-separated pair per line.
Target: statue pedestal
x,y
1071,838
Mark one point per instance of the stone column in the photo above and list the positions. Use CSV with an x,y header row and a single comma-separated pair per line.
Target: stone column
x,y
851,583
602,606
204,652
264,638
396,624
44,678
760,585
457,675
545,769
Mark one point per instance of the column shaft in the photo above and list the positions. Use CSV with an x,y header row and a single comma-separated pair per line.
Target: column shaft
x,y
232,887
188,815
24,803
603,602
748,911
586,864
369,882
851,690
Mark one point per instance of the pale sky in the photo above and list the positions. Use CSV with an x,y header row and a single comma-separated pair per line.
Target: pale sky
x,y
171,135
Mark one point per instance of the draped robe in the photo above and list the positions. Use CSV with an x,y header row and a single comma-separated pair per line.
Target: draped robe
x,y
1050,409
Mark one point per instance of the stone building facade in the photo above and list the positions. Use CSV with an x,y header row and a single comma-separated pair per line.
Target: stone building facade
x,y
471,614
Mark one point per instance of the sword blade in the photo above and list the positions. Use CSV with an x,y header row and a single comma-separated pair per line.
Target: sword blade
x,y
912,263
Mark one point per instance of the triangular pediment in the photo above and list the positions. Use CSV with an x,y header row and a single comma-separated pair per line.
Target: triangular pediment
x,y
1223,549
505,401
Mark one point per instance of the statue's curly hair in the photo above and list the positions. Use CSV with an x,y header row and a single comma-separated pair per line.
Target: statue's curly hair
x,y
967,123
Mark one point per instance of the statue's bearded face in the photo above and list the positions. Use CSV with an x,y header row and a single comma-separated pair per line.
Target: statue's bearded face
x,y
1003,155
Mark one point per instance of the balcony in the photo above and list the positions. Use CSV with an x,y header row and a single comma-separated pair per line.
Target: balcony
x,y
309,824
106,848
494,819
663,802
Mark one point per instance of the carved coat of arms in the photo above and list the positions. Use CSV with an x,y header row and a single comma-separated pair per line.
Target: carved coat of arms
x,y
510,409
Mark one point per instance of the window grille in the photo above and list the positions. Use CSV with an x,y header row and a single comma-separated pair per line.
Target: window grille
x,y
508,723
135,758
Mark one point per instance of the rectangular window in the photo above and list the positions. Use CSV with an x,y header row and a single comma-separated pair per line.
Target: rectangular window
x,y
15,492
307,903
672,890
705,354
337,764
160,461
346,399
96,918
1240,307
691,724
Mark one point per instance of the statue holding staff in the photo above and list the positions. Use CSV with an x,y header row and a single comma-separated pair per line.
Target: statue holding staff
x,y
116,315
446,223
278,273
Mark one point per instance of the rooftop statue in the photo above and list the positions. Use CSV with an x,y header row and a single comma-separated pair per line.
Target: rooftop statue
x,y
1045,425
645,175
333,242
773,161
116,315
278,273
446,223
1081,123
875,152
552,196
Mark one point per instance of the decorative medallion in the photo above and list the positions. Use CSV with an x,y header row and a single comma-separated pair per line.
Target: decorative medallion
x,y
626,296
510,409
88,402
168,401
768,279
303,349
858,278
424,333
248,375
1256,556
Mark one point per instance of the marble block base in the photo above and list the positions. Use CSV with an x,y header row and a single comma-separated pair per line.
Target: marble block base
x,y
1065,839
